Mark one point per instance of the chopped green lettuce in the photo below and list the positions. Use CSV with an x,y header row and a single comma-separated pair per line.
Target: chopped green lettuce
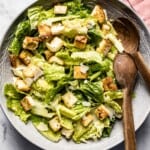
x,y
48,133
41,109
108,126
79,131
95,132
45,14
93,91
116,107
66,112
54,72
95,35
52,20
109,99
15,106
87,56
11,92
76,7
42,85
61,84
65,56
15,46
33,15
82,112
23,29
112,95
74,27
40,88
66,123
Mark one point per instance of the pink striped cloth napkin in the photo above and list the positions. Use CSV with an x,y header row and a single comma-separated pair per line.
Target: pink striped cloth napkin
x,y
142,7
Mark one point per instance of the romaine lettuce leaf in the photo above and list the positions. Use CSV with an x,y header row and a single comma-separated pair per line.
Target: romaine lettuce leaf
x,y
54,72
66,123
95,35
60,86
33,15
79,131
109,99
52,20
95,132
76,7
93,91
42,111
65,56
48,133
15,46
108,126
116,107
11,92
45,14
23,29
39,61
68,113
40,88
81,112
112,95
74,27
87,56
15,106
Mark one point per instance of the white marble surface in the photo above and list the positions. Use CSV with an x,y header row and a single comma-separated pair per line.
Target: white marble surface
x,y
9,138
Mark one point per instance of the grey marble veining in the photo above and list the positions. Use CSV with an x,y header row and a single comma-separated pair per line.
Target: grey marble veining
x,y
9,137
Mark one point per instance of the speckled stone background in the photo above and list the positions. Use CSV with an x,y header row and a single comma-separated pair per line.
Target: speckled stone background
x,y
9,138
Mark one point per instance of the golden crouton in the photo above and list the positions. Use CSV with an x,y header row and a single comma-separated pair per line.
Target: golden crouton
x,y
30,43
101,112
26,104
57,29
29,72
55,124
15,61
69,99
86,120
108,84
104,46
98,13
80,41
55,45
48,54
25,57
32,71
21,85
44,31
78,74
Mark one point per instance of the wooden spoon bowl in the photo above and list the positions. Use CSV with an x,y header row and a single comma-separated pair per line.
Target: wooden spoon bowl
x,y
129,36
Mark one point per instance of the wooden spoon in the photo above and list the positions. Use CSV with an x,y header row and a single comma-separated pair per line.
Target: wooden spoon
x,y
125,72
129,36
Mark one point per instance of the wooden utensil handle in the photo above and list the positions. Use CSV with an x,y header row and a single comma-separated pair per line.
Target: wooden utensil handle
x,y
142,67
128,122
